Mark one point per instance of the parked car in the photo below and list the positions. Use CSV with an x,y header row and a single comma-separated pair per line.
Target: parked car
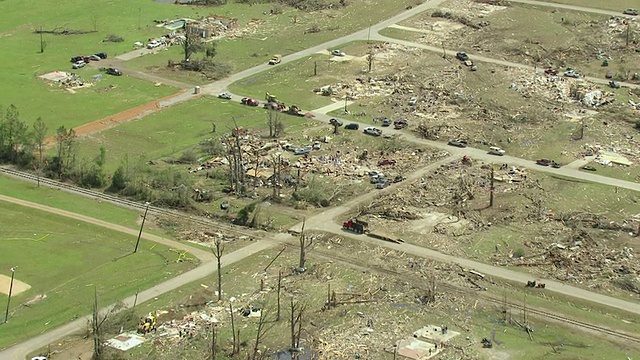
x,y
275,60
386,122
336,122
301,151
462,56
413,101
337,53
609,75
400,124
383,184
78,64
588,168
544,162
372,131
633,12
316,145
387,162
86,59
398,178
153,44
614,84
225,95
571,73
94,57
352,126
458,143
75,59
114,71
250,101
494,150
551,71
101,55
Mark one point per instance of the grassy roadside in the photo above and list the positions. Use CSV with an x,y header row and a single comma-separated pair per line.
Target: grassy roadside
x,y
59,258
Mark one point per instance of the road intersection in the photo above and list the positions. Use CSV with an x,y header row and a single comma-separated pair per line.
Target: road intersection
x,y
326,220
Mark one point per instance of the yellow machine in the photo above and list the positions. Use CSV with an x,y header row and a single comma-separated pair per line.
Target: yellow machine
x,y
148,323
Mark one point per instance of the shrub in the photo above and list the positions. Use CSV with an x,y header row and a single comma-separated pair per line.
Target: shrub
x,y
518,253
114,38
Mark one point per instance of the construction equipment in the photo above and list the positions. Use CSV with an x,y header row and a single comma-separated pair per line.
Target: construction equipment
x,y
270,98
277,106
355,225
148,323
294,110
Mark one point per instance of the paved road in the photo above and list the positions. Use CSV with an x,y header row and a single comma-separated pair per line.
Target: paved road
x,y
206,268
324,220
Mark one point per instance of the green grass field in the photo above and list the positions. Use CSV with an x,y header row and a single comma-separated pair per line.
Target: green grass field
x,y
168,133
293,83
65,260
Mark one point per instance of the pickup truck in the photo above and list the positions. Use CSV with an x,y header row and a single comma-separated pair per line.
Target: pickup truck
x,y
276,59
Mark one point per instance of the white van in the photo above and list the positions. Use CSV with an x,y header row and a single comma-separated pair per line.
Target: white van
x,y
494,150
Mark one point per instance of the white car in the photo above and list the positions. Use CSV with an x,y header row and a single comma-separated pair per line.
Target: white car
x,y
337,53
153,44
78,64
372,131
494,150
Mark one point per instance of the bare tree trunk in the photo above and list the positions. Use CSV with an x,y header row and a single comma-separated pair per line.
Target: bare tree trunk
x,y
213,342
304,244
491,189
259,335
233,330
279,291
217,253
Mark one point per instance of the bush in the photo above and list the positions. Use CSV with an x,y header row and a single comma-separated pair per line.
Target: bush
x,y
317,193
114,38
518,253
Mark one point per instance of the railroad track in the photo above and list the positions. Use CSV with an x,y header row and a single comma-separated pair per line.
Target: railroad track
x,y
118,201
352,262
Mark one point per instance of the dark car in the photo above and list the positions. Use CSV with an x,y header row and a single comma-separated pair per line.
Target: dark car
x,y
387,162
114,71
352,126
101,55
462,56
336,122
551,71
588,168
75,59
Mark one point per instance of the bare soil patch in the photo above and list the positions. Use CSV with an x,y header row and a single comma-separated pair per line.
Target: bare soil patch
x,y
18,286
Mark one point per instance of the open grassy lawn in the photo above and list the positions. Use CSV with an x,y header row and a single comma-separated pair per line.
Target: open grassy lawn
x,y
168,133
65,260
283,33
66,201
23,61
293,83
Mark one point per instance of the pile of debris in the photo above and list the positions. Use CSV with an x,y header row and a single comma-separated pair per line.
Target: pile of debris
x,y
66,80
580,259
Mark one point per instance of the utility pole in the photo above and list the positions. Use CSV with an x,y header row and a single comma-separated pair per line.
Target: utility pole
x,y
144,217
627,32
6,314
